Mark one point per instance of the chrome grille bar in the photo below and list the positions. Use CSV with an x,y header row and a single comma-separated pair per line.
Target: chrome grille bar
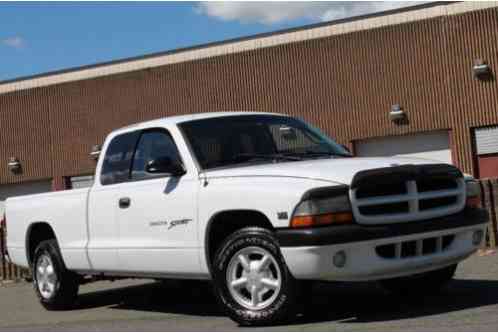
x,y
413,198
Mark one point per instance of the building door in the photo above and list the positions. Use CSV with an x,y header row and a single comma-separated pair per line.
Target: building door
x,y
26,188
430,145
486,143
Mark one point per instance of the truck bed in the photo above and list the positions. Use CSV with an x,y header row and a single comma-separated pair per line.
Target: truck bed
x,y
65,211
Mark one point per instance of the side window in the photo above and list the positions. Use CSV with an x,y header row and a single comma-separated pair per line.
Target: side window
x,y
153,144
117,160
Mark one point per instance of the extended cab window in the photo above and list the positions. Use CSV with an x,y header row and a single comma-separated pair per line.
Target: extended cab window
x,y
153,145
117,160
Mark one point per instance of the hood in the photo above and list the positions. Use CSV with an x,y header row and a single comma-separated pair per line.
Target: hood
x,y
336,170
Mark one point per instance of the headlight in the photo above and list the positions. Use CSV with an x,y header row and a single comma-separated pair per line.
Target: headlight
x,y
322,211
473,194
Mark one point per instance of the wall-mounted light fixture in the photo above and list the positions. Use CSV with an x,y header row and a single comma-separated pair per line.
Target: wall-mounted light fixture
x,y
481,70
95,153
397,114
14,165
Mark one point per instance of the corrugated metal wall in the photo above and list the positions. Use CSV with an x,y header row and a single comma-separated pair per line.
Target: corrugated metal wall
x,y
345,84
472,103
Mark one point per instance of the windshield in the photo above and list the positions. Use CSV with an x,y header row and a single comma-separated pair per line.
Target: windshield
x,y
234,140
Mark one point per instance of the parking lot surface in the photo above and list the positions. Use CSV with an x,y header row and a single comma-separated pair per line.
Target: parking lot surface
x,y
469,303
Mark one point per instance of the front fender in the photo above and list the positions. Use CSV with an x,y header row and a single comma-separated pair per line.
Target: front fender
x,y
274,197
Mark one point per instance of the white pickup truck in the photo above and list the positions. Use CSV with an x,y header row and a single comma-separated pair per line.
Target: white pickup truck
x,y
256,202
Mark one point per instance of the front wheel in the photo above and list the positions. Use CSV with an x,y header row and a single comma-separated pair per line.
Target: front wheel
x,y
420,284
252,281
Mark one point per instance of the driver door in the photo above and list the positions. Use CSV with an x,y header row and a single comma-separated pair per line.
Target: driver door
x,y
157,212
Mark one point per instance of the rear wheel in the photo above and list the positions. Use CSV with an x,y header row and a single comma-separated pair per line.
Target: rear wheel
x,y
55,286
252,282
420,284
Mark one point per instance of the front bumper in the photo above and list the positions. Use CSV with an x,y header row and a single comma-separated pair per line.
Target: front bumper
x,y
309,252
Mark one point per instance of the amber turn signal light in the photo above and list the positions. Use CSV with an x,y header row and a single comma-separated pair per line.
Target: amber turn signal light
x,y
319,220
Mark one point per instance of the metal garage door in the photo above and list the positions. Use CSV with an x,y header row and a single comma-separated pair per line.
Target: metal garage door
x,y
13,190
431,145
486,143
487,140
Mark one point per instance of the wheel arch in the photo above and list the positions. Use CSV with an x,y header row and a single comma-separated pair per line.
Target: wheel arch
x,y
215,234
37,232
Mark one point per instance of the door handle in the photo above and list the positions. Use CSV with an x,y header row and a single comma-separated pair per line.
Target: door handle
x,y
124,202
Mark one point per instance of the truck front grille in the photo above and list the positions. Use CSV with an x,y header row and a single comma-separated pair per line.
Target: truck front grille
x,y
415,248
380,191
397,207
380,200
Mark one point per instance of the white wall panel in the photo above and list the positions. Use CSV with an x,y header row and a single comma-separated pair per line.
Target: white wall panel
x,y
431,145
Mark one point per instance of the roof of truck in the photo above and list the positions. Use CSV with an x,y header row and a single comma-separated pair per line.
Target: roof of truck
x,y
188,117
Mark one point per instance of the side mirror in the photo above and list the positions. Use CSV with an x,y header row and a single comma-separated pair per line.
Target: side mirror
x,y
165,165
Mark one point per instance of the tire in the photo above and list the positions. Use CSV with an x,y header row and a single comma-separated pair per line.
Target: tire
x,y
55,286
273,288
420,284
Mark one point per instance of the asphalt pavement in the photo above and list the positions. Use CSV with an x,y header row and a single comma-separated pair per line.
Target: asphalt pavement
x,y
469,303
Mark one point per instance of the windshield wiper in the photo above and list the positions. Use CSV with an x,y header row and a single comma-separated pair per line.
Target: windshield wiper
x,y
310,153
274,157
